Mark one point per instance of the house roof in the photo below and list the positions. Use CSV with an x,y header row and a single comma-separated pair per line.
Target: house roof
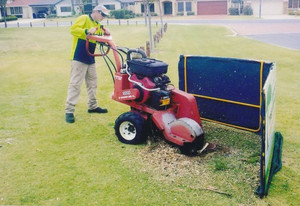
x,y
45,2
126,1
20,3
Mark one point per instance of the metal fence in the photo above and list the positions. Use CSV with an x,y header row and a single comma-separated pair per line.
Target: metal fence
x,y
28,24
38,24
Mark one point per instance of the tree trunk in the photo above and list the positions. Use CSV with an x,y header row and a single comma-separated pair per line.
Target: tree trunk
x,y
145,11
150,26
4,16
72,5
160,14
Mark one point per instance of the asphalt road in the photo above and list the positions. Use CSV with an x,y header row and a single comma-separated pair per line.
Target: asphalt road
x,y
281,31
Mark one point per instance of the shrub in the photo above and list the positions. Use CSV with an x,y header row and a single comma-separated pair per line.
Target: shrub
x,y
9,18
248,10
294,12
51,16
233,11
180,14
127,16
122,14
190,13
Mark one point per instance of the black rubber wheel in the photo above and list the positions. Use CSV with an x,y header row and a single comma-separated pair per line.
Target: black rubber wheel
x,y
130,128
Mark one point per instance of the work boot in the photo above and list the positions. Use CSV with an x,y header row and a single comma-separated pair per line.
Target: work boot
x,y
70,118
97,110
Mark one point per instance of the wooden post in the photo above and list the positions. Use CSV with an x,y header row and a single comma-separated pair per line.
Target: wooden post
x,y
127,22
18,24
44,24
107,22
30,24
155,39
71,23
148,49
119,22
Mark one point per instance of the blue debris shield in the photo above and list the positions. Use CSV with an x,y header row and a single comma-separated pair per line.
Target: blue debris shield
x,y
227,90
238,93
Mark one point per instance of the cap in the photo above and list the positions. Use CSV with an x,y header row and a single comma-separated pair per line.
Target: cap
x,y
101,8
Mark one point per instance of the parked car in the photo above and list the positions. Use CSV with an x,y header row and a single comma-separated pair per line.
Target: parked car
x,y
42,14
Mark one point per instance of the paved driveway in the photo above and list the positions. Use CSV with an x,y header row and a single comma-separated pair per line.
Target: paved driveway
x,y
282,31
291,41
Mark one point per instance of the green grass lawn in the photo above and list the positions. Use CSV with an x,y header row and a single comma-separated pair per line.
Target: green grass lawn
x,y
45,161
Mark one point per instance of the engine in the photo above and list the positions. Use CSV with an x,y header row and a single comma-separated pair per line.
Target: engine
x,y
160,99
148,76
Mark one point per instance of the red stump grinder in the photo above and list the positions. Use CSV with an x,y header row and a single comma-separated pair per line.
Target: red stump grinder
x,y
142,84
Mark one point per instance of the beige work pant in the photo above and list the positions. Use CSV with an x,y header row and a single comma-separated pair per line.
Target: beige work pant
x,y
79,72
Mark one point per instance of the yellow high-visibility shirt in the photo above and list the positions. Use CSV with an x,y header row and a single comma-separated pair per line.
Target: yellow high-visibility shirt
x,y
79,31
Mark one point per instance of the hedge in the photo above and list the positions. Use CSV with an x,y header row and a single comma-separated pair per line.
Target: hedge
x,y
9,18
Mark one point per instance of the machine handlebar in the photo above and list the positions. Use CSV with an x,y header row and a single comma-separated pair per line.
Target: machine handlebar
x,y
100,39
106,39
